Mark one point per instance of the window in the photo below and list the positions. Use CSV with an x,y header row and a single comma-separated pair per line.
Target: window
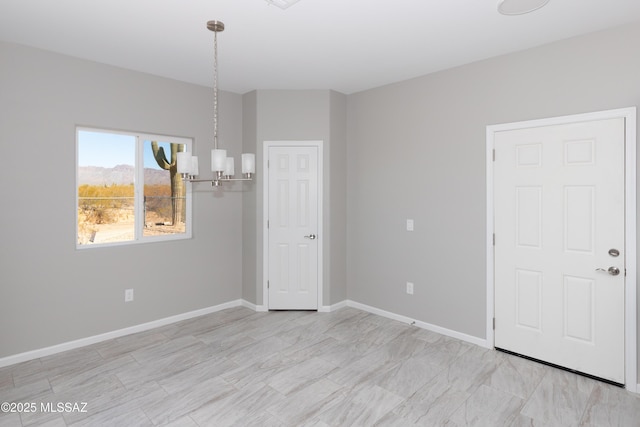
x,y
128,188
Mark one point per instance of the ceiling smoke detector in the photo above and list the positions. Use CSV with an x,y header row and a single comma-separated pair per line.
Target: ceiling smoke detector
x,y
519,7
282,4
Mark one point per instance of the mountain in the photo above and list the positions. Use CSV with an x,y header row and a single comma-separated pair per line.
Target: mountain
x,y
120,175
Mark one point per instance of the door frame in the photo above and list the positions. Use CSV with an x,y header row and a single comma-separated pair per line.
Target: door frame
x,y
629,114
265,213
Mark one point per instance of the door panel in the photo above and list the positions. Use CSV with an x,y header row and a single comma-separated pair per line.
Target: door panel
x,y
293,214
559,208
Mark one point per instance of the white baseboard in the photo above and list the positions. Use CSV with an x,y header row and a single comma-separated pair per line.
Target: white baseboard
x,y
424,325
334,307
47,351
70,345
252,306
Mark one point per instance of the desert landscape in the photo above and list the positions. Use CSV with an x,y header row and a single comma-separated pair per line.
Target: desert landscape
x,y
106,212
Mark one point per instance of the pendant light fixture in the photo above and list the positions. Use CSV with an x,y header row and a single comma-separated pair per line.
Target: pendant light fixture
x,y
223,167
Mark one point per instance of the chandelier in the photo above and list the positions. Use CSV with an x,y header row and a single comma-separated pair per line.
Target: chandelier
x,y
223,167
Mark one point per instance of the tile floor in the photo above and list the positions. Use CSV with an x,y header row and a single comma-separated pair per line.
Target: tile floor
x,y
346,368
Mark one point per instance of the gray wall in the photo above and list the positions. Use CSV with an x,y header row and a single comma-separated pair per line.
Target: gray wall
x,y
417,150
52,293
336,252
250,221
279,115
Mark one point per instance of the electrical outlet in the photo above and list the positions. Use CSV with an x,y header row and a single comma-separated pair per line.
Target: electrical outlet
x,y
410,288
128,295
409,225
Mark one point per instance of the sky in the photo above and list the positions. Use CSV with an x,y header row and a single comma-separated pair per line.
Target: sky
x,y
111,149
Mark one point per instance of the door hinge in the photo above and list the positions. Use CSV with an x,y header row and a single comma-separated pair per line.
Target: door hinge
x,y
494,155
494,323
494,239
268,287
267,224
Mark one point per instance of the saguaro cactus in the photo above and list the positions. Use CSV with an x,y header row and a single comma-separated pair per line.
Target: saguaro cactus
x,y
177,184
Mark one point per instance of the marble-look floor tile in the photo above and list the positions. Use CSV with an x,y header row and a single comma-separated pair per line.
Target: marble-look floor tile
x,y
434,403
362,370
163,349
233,331
341,353
6,379
57,421
10,419
238,367
393,420
165,365
426,335
362,407
487,407
190,398
26,392
257,350
402,347
522,421
408,377
127,344
294,333
259,420
26,372
300,375
472,368
185,421
41,414
314,423
611,406
122,398
386,332
560,398
191,376
350,331
203,324
116,417
71,362
71,381
517,376
236,408
304,349
444,350
307,403
258,372
61,364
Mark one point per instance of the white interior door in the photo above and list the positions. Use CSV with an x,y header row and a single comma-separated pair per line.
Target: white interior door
x,y
559,245
293,227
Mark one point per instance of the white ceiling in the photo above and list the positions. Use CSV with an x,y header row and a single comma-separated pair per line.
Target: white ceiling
x,y
345,45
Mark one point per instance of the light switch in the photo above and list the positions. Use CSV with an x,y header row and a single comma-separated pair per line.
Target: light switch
x,y
409,225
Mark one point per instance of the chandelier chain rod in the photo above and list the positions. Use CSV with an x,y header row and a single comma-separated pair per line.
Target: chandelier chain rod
x,y
215,89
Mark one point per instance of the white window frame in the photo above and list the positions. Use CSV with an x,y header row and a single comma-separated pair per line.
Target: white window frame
x,y
140,137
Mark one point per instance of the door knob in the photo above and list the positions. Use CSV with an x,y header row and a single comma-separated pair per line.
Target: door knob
x,y
310,236
614,271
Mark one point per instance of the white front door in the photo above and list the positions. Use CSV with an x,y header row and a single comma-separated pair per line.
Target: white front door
x,y
559,245
293,227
